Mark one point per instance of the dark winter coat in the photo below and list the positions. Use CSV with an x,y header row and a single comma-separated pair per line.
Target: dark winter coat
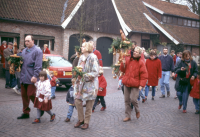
x,y
182,74
135,72
154,69
74,58
167,63
102,84
70,97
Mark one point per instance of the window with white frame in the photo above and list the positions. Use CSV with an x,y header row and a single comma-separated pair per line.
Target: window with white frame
x,y
164,18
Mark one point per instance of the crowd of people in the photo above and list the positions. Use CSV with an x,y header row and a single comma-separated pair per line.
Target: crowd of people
x,y
139,70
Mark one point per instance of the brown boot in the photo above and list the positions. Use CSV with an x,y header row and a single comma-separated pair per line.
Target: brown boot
x,y
85,126
67,120
127,119
137,115
78,124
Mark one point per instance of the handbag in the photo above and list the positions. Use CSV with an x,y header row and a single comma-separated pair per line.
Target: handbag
x,y
183,81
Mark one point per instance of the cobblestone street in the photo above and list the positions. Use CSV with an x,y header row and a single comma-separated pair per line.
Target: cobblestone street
x,y
160,117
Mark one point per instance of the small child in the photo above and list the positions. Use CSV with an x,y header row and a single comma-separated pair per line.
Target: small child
x,y
43,97
70,100
195,93
120,81
102,90
54,82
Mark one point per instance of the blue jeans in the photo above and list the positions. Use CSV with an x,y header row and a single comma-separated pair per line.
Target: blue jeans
x,y
119,83
141,94
9,79
183,96
70,111
53,90
196,103
147,91
164,82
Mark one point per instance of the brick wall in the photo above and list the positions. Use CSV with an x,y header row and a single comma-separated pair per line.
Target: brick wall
x,y
27,28
196,50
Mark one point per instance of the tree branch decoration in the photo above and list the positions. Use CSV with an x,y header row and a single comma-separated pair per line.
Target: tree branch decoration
x,y
77,71
15,63
120,46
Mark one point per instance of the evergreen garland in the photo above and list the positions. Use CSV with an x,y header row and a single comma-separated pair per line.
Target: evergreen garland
x,y
77,73
17,61
119,44
46,64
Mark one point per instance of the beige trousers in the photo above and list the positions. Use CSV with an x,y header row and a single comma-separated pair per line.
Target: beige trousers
x,y
130,96
88,111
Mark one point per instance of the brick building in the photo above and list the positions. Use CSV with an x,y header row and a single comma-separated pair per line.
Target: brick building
x,y
53,22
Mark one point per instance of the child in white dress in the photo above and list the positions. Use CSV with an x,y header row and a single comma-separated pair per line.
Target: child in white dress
x,y
43,97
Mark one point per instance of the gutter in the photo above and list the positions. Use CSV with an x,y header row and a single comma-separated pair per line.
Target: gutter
x,y
21,21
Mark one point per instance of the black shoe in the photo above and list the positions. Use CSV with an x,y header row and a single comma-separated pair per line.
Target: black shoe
x,y
23,116
152,98
168,93
53,97
8,87
197,112
42,113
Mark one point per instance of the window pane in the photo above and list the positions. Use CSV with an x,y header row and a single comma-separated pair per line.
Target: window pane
x,y
180,21
59,61
185,22
197,24
35,42
189,23
193,23
174,20
164,18
169,20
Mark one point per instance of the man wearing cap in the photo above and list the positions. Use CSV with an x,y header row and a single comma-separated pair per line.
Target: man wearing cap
x,y
32,65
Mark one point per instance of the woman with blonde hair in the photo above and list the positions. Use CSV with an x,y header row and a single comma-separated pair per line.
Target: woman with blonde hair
x,y
86,87
46,50
185,69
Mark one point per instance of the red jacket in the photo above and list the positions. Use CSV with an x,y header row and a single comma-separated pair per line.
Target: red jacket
x,y
195,90
174,59
154,69
47,51
98,54
1,53
102,84
53,81
135,73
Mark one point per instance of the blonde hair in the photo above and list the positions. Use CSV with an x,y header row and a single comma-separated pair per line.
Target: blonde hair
x,y
139,49
73,81
51,72
45,45
88,46
92,42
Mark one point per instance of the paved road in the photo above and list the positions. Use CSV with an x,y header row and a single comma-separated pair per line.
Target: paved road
x,y
159,118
